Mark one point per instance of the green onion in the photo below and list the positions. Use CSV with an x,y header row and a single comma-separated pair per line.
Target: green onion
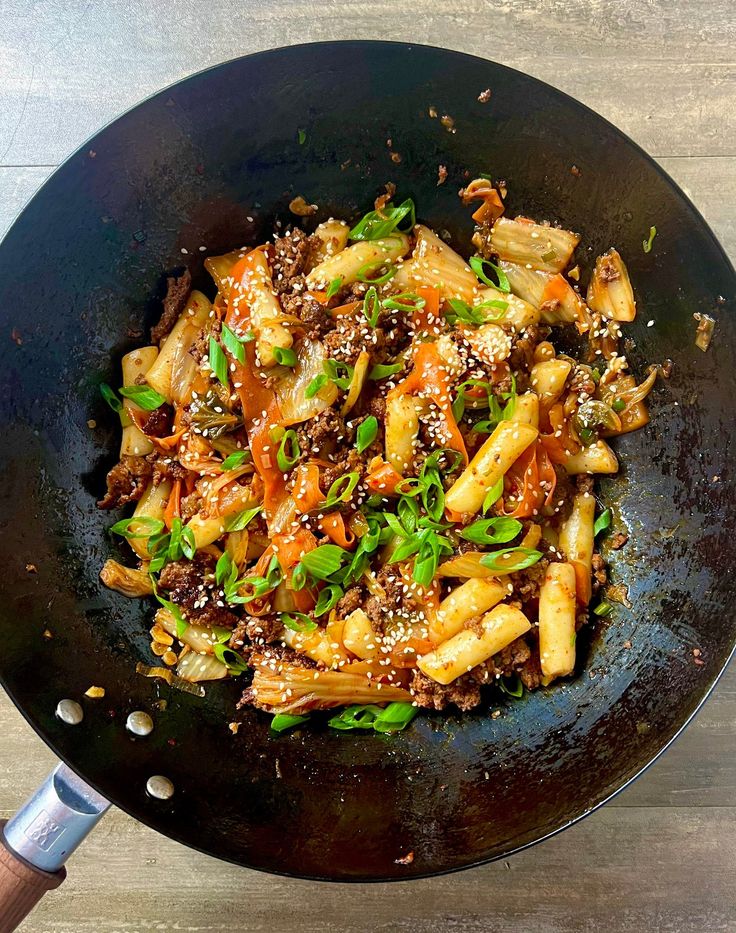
x,y
235,664
233,344
407,510
323,561
383,371
393,718
148,526
298,622
225,569
181,623
493,494
334,287
289,451
333,369
618,405
378,224
284,721
188,542
586,435
371,307
549,256
234,460
342,489
285,356
241,520
477,265
406,301
218,362
365,273
318,383
512,559
647,244
114,402
328,598
144,396
603,608
512,686
602,522
366,434
301,136
409,486
499,530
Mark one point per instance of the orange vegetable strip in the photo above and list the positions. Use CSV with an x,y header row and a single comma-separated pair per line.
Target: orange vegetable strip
x,y
173,506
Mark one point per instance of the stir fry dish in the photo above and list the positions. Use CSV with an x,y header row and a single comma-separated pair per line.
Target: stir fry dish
x,y
363,473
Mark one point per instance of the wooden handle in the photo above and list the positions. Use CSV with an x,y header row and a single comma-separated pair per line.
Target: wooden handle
x,y
21,886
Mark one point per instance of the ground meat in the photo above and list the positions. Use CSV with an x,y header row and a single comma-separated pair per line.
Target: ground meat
x,y
523,346
259,630
463,692
177,292
165,467
353,463
619,540
527,583
396,601
323,433
316,319
377,407
352,600
397,334
584,482
600,577
201,346
189,505
126,482
582,382
351,336
291,254
191,585
159,421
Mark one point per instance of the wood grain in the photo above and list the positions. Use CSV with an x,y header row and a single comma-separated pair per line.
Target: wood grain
x,y
662,855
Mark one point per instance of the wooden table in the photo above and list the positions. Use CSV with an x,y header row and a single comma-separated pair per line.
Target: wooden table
x,y
662,856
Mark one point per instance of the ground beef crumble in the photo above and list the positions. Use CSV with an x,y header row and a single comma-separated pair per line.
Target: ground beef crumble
x,y
177,293
126,482
191,585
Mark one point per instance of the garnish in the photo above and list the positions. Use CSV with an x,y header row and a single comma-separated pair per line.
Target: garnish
x,y
285,356
284,721
334,287
461,311
233,343
646,245
334,369
371,307
289,451
394,718
342,489
365,273
323,561
235,460
319,382
301,136
384,370
493,494
147,526
298,622
377,224
618,405
603,608
218,362
114,402
241,520
328,598
405,301
144,396
511,686
477,264
602,522
511,560
498,530
366,433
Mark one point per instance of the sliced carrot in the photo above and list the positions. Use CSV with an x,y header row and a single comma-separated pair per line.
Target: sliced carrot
x,y
173,506
383,479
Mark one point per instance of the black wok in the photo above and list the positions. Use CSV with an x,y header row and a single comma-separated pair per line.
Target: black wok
x,y
212,162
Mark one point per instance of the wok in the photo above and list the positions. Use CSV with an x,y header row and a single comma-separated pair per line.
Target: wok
x,y
211,163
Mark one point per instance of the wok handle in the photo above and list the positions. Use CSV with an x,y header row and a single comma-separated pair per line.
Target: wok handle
x,y
21,886
36,842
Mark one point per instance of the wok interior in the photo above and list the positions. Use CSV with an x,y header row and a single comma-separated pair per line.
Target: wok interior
x,y
81,274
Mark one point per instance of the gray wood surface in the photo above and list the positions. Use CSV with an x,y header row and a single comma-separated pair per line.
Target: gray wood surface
x,y
662,856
